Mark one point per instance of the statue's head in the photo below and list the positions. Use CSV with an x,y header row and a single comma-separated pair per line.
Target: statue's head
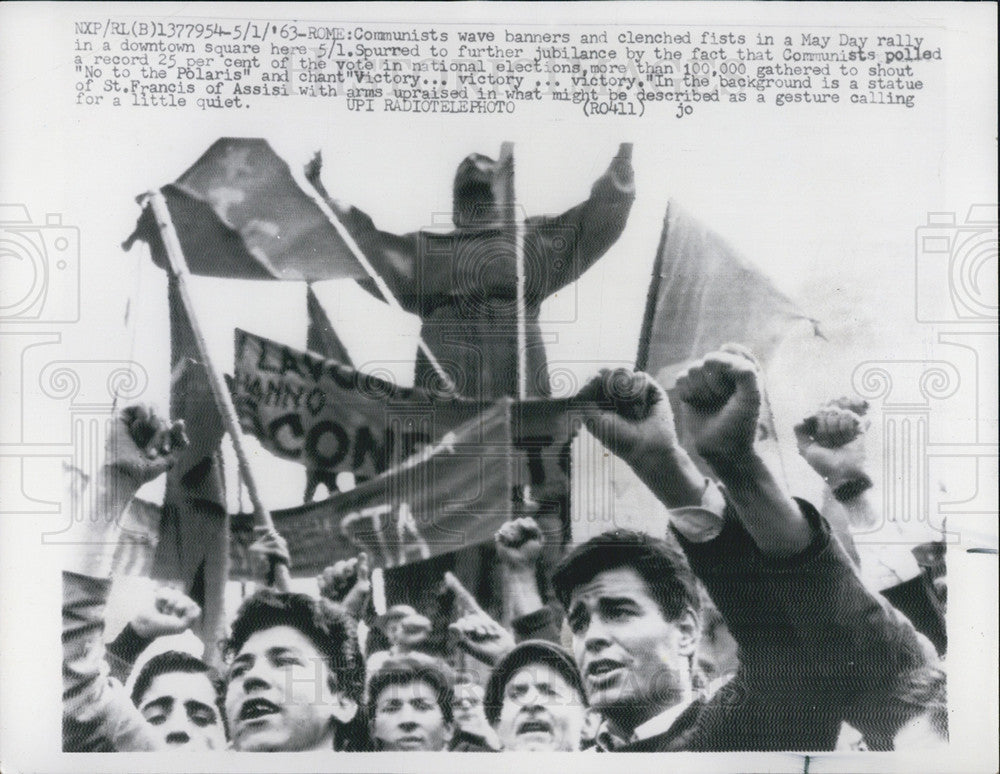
x,y
474,193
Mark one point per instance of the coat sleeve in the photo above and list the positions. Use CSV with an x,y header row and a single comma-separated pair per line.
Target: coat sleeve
x,y
559,249
815,644
394,257
98,715
124,651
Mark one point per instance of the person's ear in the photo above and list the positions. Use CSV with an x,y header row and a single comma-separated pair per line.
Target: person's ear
x,y
689,628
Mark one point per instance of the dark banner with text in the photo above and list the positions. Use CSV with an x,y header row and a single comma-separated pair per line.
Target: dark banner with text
x,y
331,417
455,492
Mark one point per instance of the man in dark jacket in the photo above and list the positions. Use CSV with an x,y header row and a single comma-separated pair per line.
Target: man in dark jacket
x,y
813,640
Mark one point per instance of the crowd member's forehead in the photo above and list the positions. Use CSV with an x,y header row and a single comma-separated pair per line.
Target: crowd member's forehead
x,y
539,673
615,583
180,687
282,637
528,662
415,689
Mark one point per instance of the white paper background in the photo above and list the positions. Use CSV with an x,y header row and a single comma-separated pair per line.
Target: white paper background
x,y
825,201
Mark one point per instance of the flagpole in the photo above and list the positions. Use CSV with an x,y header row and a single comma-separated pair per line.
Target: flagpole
x,y
509,208
511,217
223,400
380,283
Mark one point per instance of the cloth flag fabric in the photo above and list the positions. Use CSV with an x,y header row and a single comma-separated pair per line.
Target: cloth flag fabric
x,y
321,338
454,493
331,417
240,214
704,294
193,546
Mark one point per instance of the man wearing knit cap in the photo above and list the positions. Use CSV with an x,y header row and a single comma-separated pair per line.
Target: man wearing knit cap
x,y
535,699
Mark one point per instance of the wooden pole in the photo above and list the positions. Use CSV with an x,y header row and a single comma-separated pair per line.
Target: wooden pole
x,y
223,400
380,283
516,225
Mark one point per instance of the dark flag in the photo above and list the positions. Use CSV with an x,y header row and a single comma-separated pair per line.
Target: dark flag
x,y
239,213
321,338
703,295
330,417
194,527
453,493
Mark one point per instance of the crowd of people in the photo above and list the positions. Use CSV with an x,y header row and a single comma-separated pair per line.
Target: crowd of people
x,y
743,625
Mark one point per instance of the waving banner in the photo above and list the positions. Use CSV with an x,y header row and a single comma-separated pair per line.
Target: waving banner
x,y
239,213
704,294
454,493
331,417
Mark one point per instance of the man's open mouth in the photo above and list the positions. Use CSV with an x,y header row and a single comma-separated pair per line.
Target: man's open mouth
x,y
535,727
604,670
257,708
602,667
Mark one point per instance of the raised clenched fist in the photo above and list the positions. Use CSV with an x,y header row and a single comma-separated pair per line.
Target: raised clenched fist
x,y
629,413
170,612
143,445
348,582
832,442
722,395
519,543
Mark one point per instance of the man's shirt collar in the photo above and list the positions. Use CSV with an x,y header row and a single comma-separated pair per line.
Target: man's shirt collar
x,y
608,741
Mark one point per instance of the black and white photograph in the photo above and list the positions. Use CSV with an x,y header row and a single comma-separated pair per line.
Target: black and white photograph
x,y
386,381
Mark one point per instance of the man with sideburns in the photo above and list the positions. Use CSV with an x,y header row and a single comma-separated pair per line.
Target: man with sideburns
x,y
813,641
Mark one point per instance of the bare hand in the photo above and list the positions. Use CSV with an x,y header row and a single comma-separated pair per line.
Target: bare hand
x,y
171,612
270,546
475,631
464,600
348,582
413,630
832,442
519,543
629,413
482,637
312,171
723,396
836,423
142,445
622,167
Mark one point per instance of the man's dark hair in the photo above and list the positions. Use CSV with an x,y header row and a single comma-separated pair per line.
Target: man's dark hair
x,y
178,661
327,625
406,670
661,565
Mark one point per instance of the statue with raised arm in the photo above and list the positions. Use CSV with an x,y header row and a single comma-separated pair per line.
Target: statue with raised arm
x,y
463,284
